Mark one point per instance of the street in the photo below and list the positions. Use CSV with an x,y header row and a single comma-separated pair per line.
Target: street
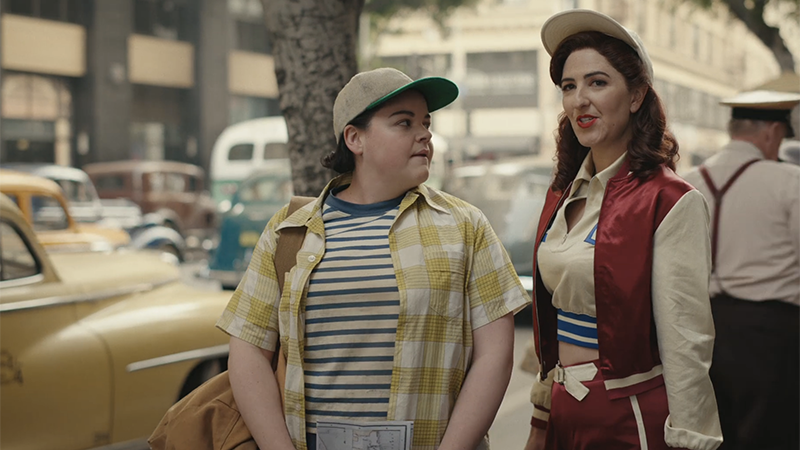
x,y
512,424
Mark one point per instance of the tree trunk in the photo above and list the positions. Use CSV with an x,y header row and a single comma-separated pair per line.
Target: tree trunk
x,y
314,46
753,18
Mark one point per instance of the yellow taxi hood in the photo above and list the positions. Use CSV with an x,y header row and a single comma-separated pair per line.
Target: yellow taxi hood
x,y
119,269
117,237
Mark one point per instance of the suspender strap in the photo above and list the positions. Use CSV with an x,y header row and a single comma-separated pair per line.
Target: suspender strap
x,y
718,194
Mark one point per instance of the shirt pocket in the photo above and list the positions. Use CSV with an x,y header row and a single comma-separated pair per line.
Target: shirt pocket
x,y
446,276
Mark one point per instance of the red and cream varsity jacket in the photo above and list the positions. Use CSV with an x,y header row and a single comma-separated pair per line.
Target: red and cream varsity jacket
x,y
632,339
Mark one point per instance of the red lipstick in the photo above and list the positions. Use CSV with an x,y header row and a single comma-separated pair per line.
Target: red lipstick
x,y
585,121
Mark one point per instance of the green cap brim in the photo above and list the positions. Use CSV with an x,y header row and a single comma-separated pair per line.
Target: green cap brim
x,y
438,92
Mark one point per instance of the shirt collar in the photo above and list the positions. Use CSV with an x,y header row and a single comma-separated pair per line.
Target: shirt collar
x,y
745,149
586,172
310,215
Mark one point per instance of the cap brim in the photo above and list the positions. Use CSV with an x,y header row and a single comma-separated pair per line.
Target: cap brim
x,y
763,99
438,92
566,23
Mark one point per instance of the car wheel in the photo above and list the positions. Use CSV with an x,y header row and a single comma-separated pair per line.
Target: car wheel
x,y
202,373
172,250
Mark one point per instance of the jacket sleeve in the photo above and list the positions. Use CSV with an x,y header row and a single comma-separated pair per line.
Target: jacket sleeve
x,y
685,328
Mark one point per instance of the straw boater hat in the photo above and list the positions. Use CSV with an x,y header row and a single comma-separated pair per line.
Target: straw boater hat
x,y
574,21
771,106
368,90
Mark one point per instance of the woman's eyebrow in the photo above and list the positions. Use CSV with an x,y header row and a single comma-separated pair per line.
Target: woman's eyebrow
x,y
597,72
588,75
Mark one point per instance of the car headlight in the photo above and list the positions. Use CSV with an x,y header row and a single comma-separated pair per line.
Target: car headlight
x,y
101,246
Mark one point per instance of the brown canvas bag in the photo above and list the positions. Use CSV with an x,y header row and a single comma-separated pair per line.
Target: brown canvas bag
x,y
208,418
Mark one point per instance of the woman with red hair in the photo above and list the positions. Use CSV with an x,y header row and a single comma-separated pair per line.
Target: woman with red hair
x,y
622,321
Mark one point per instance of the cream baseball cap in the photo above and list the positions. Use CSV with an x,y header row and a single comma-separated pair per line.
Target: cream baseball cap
x,y
566,23
771,106
368,90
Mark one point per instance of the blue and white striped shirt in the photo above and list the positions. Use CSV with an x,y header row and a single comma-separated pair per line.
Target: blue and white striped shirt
x,y
351,315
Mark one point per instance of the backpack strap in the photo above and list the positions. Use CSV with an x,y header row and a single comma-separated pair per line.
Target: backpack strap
x,y
718,194
289,242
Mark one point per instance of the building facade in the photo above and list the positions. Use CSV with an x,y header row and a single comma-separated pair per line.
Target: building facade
x,y
509,106
104,80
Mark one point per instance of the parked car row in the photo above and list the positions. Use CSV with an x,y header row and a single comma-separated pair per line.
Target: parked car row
x,y
68,207
95,346
170,192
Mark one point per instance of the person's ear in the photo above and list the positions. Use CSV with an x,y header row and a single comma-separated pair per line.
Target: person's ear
x,y
637,98
353,139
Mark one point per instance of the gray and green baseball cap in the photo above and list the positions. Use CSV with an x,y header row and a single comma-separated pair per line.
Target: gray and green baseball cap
x,y
371,89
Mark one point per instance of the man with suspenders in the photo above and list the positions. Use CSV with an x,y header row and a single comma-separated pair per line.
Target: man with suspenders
x,y
755,282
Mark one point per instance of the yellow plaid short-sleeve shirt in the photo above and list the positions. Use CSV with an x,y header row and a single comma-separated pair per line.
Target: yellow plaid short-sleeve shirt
x,y
453,275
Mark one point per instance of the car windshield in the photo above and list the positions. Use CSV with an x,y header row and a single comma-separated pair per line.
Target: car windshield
x,y
75,191
16,260
48,214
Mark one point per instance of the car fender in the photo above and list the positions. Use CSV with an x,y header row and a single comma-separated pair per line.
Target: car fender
x,y
171,217
156,236
156,339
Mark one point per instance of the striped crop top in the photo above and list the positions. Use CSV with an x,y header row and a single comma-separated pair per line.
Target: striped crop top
x,y
566,257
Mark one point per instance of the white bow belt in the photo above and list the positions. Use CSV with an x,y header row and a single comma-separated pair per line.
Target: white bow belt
x,y
572,378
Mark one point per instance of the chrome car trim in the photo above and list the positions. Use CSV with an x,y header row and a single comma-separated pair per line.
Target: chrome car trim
x,y
80,298
138,444
21,282
202,353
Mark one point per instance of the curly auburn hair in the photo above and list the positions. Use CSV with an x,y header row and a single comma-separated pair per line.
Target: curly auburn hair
x,y
651,144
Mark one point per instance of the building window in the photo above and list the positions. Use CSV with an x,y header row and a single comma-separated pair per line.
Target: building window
x,y
164,19
252,37
245,108
419,66
250,27
60,10
673,35
501,73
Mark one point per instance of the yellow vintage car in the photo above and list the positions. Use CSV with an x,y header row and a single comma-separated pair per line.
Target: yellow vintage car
x,y
95,347
44,206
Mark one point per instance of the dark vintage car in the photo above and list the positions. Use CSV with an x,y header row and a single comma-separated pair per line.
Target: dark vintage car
x,y
258,197
85,206
174,191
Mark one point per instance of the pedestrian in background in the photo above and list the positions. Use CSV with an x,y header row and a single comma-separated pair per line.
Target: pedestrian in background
x,y
401,305
622,321
755,282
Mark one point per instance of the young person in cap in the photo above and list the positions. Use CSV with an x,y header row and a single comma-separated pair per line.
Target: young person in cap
x,y
755,282
622,321
400,306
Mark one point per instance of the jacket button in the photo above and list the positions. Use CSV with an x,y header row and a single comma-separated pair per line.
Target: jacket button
x,y
312,258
